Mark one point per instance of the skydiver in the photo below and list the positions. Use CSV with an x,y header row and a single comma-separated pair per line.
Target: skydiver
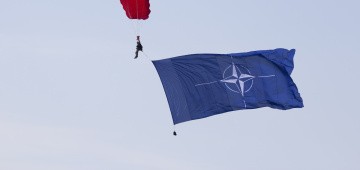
x,y
139,47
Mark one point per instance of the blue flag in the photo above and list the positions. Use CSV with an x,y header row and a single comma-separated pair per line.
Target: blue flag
x,y
202,85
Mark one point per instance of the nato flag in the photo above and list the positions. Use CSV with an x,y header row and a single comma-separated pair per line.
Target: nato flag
x,y
202,85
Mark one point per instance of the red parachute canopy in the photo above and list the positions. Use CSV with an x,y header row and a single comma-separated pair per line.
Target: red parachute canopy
x,y
136,9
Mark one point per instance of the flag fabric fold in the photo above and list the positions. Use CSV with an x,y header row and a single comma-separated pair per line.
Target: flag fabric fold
x,y
202,85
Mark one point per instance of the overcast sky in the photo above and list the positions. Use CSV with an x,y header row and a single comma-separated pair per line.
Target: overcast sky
x,y
73,98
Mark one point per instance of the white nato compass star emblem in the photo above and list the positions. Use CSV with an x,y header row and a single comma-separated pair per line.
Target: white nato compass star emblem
x,y
237,79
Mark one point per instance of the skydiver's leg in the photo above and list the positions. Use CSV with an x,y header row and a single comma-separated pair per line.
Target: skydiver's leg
x,y
136,54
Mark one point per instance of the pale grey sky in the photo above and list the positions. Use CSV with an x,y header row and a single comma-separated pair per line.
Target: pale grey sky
x,y
73,98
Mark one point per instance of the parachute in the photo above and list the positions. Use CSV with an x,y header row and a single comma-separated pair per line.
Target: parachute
x,y
136,9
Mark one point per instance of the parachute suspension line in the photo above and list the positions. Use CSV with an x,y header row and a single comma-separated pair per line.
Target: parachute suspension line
x,y
137,17
132,23
134,28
